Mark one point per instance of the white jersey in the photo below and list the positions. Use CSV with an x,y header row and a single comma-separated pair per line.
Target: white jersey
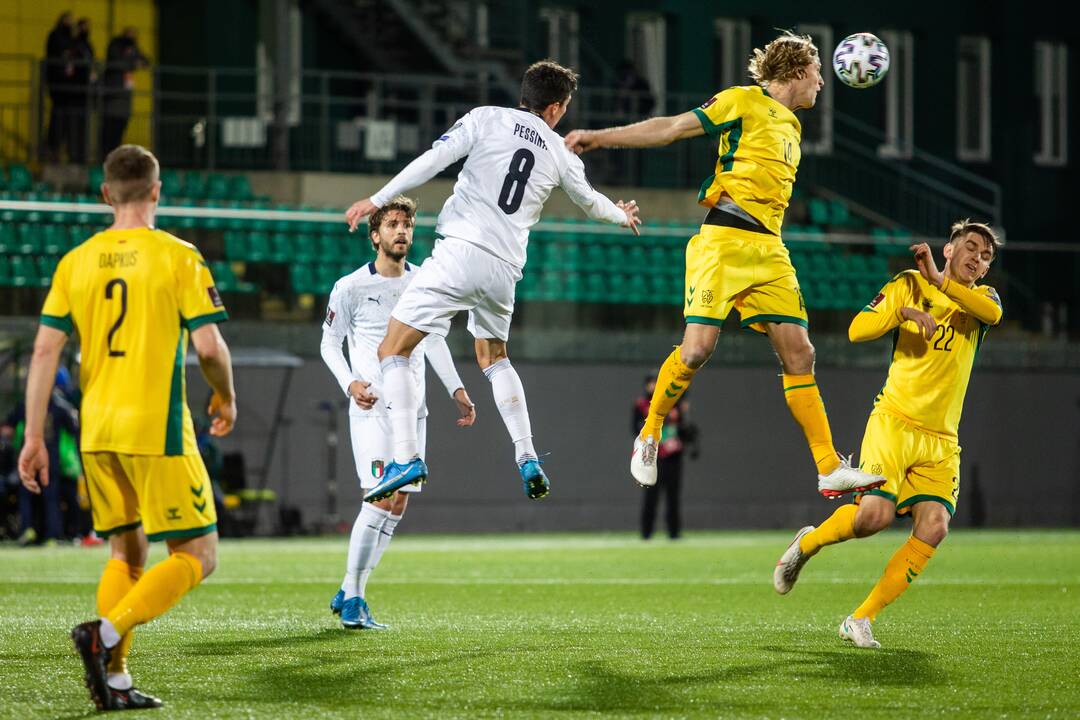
x,y
358,311
514,162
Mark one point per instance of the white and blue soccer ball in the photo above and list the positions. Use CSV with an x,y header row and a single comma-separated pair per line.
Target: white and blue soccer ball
x,y
861,60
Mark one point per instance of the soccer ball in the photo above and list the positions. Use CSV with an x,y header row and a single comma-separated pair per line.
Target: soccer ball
x,y
861,60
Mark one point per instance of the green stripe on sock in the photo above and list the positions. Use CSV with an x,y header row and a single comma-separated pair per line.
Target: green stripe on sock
x,y
799,387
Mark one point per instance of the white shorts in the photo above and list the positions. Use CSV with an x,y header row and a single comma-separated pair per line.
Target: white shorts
x,y
460,276
373,448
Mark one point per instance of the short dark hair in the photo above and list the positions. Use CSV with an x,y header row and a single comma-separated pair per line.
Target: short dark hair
x,y
960,228
130,173
402,203
547,82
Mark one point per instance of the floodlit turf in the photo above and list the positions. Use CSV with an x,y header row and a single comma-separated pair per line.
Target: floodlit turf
x,y
573,626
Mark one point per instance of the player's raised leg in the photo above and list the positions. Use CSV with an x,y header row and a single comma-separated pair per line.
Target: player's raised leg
x,y
402,404
675,376
872,515
931,519
509,395
791,342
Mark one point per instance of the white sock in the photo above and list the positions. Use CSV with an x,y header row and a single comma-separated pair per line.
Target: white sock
x,y
399,394
109,636
363,543
119,681
386,533
510,399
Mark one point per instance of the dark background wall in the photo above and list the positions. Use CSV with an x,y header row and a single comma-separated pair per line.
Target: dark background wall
x,y
1019,437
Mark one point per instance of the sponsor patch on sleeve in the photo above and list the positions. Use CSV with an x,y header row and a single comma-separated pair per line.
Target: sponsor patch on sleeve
x,y
215,296
330,315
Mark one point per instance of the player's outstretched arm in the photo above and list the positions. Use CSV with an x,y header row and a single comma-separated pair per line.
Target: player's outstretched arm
x,y
451,146
595,204
654,132
216,364
983,306
34,458
438,354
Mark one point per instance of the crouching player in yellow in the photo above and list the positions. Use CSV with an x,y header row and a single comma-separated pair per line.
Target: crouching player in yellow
x,y
938,320
134,294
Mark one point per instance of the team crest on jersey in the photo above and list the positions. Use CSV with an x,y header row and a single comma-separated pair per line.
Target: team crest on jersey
x,y
707,298
215,296
377,469
927,306
877,300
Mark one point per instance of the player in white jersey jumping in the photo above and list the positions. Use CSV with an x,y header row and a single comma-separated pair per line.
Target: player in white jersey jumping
x,y
357,312
515,159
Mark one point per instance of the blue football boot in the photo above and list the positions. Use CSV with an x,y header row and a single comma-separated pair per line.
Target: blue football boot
x,y
356,615
337,602
397,476
534,480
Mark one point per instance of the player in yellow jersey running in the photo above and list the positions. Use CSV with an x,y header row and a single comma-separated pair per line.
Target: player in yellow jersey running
x,y
737,259
135,295
939,320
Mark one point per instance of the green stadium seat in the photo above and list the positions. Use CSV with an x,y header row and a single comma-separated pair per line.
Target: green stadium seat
x,y
302,277
839,213
326,274
258,248
595,286
281,246
24,272
304,248
54,239
236,245
46,268
9,239
529,284
19,178
217,187
213,223
327,249
171,186
594,257
95,176
240,188
224,276
819,211
5,271
29,242
574,288
194,185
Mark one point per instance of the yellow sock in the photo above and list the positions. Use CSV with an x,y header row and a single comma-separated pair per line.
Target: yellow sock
x,y
158,590
804,401
903,568
839,527
671,382
116,582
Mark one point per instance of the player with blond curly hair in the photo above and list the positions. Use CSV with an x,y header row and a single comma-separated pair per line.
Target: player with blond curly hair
x,y
738,259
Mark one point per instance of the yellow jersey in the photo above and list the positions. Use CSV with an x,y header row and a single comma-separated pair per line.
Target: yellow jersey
x,y
133,296
759,152
928,379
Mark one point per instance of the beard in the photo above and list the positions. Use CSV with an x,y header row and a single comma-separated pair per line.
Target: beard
x,y
389,249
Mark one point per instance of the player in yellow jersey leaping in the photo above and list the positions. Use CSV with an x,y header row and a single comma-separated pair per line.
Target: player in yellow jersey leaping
x,y
135,295
737,259
939,320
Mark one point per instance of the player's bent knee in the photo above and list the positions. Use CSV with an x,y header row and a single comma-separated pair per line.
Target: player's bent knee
x,y
694,355
798,360
489,352
932,533
873,518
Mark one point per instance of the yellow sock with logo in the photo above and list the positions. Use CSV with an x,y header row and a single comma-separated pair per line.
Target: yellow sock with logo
x,y
671,382
116,581
903,568
156,591
804,400
839,527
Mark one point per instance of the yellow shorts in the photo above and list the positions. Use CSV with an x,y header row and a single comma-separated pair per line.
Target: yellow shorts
x,y
728,267
917,466
169,495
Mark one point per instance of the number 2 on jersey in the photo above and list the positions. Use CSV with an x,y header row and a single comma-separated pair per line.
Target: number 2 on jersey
x,y
120,283
513,187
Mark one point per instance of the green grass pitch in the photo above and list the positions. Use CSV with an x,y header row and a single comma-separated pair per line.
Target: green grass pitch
x,y
573,626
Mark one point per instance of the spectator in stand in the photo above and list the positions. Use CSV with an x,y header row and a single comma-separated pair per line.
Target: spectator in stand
x,y
58,72
82,100
678,436
61,416
122,58
635,98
